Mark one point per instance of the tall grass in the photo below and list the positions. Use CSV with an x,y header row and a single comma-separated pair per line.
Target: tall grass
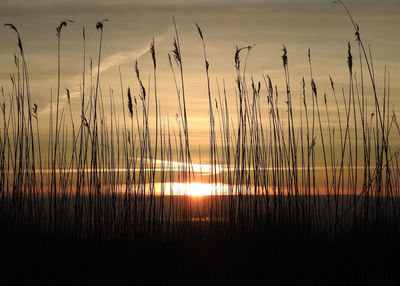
x,y
120,181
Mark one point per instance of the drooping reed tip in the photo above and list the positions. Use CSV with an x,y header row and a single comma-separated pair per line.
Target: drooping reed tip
x,y
200,33
100,24
12,27
63,24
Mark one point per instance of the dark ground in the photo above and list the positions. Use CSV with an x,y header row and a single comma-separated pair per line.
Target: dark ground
x,y
372,259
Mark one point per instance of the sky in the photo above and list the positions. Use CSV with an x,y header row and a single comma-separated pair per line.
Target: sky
x,y
320,25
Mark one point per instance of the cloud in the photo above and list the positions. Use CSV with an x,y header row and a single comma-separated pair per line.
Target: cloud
x,y
113,61
119,58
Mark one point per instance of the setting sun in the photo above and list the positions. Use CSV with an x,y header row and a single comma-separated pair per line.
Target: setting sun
x,y
197,189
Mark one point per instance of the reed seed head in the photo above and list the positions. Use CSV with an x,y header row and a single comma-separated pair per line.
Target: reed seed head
x,y
314,87
237,59
16,60
68,96
143,95
349,58
357,33
284,56
270,87
153,53
169,59
332,85
177,53
130,106
34,110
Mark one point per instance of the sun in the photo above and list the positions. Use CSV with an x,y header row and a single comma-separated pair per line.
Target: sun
x,y
194,189
199,189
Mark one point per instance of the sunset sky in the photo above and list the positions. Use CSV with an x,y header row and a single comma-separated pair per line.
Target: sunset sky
x,y
320,25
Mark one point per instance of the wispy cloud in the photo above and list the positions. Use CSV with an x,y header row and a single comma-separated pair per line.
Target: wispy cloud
x,y
114,61
120,58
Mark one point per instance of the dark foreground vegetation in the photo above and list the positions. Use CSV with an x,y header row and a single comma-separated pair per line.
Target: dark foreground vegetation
x,y
283,259
306,202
